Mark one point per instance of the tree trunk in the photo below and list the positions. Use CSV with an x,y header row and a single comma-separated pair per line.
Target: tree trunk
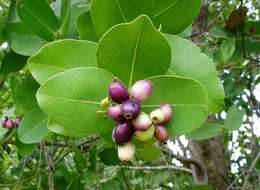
x,y
209,153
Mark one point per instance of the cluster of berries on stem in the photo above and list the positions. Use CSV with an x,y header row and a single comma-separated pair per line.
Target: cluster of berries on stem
x,y
124,107
9,123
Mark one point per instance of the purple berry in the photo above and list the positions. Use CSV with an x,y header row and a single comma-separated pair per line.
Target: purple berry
x,y
8,123
118,92
17,122
161,134
130,109
141,90
122,133
115,112
167,110
142,122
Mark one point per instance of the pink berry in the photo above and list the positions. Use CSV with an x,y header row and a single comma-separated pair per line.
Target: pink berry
x,y
142,122
141,90
167,110
115,112
161,133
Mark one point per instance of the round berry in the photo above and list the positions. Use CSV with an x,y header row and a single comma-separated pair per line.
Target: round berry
x,y
122,133
115,112
118,92
157,116
126,152
145,135
161,134
141,90
130,109
8,123
167,110
142,122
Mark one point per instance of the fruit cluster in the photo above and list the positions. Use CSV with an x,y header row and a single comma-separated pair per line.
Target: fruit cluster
x,y
124,107
10,123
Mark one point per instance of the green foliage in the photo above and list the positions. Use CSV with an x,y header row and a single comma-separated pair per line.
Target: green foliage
x,y
33,127
62,55
75,48
140,57
72,99
85,27
38,17
189,61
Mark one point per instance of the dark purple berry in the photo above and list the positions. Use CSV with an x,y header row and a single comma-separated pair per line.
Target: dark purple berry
x,y
115,112
118,92
130,109
122,133
141,90
161,134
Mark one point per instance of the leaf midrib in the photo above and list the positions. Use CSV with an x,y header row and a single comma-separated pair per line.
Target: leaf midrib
x,y
72,100
165,9
176,105
134,56
31,13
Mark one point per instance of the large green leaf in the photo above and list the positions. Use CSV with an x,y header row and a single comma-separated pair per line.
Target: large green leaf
x,y
38,17
225,51
25,99
173,15
208,130
188,98
234,118
147,151
85,27
134,51
189,61
72,99
62,55
12,63
33,127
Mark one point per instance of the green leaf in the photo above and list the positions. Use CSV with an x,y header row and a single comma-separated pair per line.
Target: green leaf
x,y
24,149
72,98
188,98
189,61
208,130
78,157
85,27
234,118
109,156
148,151
3,131
145,52
225,51
33,127
65,17
219,32
173,15
25,98
62,55
12,63
37,16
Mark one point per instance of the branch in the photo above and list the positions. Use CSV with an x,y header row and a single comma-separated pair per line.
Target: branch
x,y
250,171
164,167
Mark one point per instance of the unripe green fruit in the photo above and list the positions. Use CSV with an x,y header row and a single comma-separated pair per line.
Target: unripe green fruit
x,y
157,116
126,152
145,135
